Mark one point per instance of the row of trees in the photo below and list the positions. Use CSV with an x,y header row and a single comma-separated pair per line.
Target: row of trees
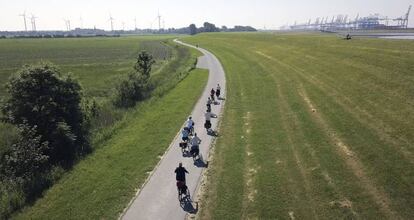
x,y
209,27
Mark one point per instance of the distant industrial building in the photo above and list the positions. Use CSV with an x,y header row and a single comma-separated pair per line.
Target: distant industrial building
x,y
343,22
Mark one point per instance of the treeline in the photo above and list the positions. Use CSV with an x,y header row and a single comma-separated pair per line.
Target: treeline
x,y
209,27
55,124
61,36
192,29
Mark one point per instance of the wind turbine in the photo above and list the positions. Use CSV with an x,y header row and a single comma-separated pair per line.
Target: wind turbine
x,y
24,18
123,26
159,20
67,23
111,19
135,22
81,22
33,21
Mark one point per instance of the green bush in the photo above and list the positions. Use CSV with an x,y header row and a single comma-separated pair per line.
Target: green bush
x,y
136,86
39,96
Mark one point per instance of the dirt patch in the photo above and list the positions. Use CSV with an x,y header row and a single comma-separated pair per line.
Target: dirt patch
x,y
292,215
250,170
327,178
265,55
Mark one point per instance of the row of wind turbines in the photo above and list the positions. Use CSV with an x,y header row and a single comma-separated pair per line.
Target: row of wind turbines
x,y
32,21
32,18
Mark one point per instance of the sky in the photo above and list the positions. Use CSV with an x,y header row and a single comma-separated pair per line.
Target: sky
x,y
269,14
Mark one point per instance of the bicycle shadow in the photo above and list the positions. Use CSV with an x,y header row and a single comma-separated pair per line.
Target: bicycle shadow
x,y
187,205
200,163
187,153
212,133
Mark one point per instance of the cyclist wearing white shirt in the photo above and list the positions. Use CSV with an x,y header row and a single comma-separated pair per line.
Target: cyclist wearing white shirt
x,y
195,150
218,91
195,141
209,102
190,124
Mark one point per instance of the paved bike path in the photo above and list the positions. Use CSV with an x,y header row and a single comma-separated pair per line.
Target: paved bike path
x,y
158,198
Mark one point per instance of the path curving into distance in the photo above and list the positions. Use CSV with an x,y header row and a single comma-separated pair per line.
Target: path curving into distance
x,y
158,198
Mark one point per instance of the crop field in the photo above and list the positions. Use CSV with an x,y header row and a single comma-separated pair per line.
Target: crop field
x,y
95,62
315,127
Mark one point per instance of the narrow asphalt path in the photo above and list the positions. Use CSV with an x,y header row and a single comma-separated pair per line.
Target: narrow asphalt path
x,y
158,198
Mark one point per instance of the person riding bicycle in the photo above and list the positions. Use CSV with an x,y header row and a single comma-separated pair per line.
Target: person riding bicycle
x,y
185,132
195,142
218,90
180,172
207,124
209,102
190,124
212,93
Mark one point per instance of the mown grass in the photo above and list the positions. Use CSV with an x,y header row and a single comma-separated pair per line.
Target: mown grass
x,y
100,186
315,127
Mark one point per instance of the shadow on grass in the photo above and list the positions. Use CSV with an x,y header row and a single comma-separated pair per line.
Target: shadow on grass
x,y
212,133
200,163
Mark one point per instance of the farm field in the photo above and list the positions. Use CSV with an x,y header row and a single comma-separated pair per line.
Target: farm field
x,y
315,127
95,62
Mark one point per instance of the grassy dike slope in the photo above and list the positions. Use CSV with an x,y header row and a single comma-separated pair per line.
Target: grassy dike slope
x,y
315,127
100,186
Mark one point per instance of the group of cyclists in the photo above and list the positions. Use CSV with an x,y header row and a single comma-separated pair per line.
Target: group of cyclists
x,y
192,141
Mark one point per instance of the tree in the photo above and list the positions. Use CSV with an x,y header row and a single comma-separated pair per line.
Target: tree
x,y
144,64
208,27
136,86
40,97
193,29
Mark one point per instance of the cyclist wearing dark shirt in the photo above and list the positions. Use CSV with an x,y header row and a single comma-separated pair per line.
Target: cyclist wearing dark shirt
x,y
180,172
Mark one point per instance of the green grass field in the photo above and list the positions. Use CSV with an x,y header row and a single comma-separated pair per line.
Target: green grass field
x,y
100,186
315,127
96,62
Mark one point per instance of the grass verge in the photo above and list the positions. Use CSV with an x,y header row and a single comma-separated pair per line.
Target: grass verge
x,y
100,186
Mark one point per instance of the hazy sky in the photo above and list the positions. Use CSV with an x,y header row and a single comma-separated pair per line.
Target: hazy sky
x,y
180,13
